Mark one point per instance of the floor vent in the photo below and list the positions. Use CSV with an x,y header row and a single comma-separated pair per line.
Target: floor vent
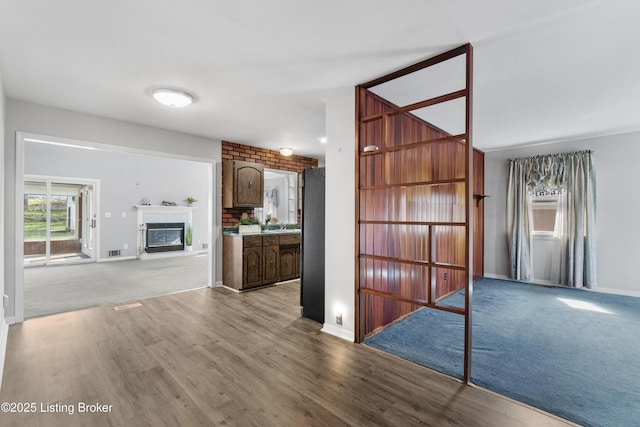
x,y
114,253
127,306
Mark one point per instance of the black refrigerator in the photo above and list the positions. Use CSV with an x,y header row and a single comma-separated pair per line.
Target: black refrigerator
x,y
312,250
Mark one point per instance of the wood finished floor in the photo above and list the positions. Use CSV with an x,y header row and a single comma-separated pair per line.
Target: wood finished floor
x,y
212,357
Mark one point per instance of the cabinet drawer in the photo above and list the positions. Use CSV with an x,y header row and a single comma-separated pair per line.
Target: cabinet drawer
x,y
252,242
290,240
270,241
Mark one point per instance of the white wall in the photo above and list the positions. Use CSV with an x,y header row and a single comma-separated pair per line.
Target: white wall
x,y
617,207
339,213
38,119
125,178
3,324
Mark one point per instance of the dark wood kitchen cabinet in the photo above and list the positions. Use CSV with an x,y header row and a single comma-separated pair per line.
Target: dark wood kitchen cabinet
x,y
243,184
289,257
251,261
271,257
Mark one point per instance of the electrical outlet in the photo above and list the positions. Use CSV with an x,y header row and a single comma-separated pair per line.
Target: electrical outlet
x,y
126,246
339,319
445,275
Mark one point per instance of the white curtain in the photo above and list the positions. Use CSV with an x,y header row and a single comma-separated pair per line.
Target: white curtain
x,y
519,221
573,173
581,216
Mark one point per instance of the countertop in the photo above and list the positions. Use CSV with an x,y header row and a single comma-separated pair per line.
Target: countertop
x,y
264,233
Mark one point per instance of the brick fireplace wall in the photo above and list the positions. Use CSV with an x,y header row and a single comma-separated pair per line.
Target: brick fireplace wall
x,y
271,159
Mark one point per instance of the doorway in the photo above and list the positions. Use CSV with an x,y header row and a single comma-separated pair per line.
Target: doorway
x,y
100,215
59,221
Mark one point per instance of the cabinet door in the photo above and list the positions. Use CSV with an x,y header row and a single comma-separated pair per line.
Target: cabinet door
x,y
287,263
252,267
249,185
271,267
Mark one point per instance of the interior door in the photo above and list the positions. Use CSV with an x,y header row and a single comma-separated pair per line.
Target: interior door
x,y
88,221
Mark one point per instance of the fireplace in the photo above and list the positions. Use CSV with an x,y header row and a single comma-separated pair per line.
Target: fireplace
x,y
164,237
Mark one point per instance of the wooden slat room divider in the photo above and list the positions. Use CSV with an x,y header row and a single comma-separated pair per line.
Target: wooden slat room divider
x,y
414,202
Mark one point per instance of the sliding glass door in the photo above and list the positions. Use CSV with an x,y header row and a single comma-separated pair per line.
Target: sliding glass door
x,y
58,222
36,217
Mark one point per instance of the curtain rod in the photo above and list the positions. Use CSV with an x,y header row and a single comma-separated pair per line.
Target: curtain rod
x,y
550,155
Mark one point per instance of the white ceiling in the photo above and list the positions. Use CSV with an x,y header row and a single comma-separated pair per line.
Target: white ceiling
x,y
260,70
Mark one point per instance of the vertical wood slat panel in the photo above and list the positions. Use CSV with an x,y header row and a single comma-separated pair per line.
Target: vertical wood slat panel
x,y
402,200
444,203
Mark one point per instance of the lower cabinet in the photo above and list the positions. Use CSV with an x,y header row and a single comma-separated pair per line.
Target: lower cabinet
x,y
289,262
271,257
252,261
252,275
256,260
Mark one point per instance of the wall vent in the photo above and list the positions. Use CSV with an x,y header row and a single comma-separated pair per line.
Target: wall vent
x,y
114,253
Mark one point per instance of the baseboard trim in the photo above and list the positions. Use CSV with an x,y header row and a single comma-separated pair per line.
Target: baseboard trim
x,y
4,335
120,258
218,284
338,332
616,292
597,289
496,276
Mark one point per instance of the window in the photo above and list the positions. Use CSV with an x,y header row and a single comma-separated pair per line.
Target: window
x,y
545,215
62,208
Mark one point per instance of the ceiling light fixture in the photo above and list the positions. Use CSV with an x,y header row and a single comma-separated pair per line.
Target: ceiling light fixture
x,y
173,98
286,151
323,139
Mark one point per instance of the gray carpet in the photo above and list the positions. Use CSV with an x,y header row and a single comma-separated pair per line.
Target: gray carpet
x,y
56,289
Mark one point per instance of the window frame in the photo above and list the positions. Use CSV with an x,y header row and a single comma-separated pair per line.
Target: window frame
x,y
545,202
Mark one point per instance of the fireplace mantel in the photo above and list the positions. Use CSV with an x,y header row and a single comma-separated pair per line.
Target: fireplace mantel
x,y
160,213
162,208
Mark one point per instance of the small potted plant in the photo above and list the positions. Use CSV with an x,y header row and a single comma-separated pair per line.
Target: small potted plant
x,y
248,225
188,239
190,200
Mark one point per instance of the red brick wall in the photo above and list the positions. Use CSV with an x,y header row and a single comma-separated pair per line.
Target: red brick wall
x,y
270,159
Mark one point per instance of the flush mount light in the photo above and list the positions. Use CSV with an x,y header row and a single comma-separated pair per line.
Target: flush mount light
x,y
173,98
323,139
286,151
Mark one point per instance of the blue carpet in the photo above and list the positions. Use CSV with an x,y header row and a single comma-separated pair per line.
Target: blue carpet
x,y
570,352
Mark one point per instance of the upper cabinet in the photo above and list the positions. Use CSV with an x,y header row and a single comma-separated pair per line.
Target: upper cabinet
x,y
243,184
